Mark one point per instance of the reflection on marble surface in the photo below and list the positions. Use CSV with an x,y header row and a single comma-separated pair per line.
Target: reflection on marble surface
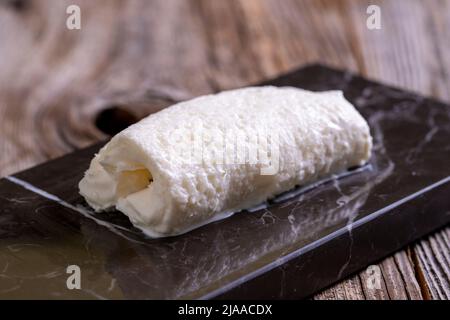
x,y
46,226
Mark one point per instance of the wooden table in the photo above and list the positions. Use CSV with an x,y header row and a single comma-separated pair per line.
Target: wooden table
x,y
140,55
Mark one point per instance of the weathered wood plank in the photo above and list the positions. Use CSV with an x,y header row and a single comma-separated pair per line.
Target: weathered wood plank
x,y
349,289
393,279
408,276
432,257
142,55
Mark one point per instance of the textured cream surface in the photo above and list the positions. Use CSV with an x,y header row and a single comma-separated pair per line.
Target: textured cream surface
x,y
143,173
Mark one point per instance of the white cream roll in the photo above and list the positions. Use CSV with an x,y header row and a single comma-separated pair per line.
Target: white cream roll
x,y
206,158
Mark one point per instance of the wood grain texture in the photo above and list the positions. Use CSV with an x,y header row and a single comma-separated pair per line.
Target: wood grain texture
x,y
143,55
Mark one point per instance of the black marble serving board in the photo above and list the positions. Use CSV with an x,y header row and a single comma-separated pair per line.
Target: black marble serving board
x,y
290,249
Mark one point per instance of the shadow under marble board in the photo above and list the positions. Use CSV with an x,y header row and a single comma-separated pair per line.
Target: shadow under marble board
x,y
291,248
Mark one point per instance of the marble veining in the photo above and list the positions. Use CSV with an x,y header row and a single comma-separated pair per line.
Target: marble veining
x,y
272,250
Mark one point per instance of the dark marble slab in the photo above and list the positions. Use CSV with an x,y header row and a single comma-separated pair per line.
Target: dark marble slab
x,y
290,249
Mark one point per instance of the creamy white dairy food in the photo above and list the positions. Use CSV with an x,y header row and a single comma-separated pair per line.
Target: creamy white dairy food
x,y
203,159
